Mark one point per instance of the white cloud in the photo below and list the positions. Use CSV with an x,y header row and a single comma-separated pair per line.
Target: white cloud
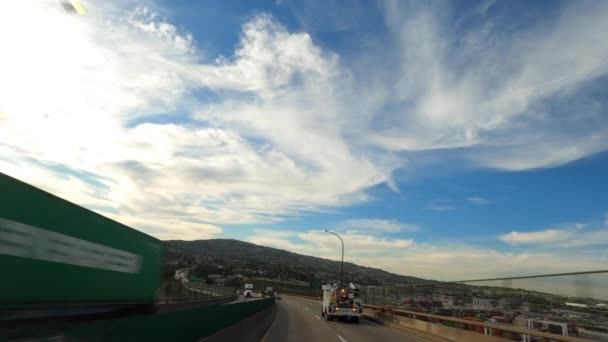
x,y
75,108
358,244
543,236
495,93
376,225
320,243
271,240
468,262
577,235
274,233
172,230
294,128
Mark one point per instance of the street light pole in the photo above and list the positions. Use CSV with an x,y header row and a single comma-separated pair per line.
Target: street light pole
x,y
342,264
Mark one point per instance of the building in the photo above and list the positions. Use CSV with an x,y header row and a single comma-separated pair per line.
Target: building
x,y
527,307
505,304
559,328
521,321
484,303
446,301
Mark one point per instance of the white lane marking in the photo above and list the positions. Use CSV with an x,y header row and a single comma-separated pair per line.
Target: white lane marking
x,y
341,338
317,317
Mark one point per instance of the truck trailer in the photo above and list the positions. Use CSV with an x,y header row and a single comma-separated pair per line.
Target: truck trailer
x,y
55,253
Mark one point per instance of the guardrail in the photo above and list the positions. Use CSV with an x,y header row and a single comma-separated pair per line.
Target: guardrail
x,y
213,291
400,319
177,300
174,291
431,325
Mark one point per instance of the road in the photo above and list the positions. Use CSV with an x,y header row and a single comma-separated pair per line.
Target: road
x,y
299,319
245,299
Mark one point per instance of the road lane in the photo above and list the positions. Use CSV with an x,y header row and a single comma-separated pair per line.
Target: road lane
x,y
294,323
299,319
245,299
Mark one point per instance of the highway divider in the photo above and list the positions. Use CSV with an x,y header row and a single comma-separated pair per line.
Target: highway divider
x,y
251,329
182,325
188,303
302,296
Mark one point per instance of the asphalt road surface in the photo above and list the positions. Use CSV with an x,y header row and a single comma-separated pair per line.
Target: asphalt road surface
x,y
299,320
246,299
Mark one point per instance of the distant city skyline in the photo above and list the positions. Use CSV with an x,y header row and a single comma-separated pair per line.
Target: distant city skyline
x,y
442,140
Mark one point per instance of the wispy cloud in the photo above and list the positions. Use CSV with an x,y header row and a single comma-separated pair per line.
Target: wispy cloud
x,y
290,129
540,237
485,6
461,99
577,235
442,204
248,158
478,201
376,225
320,243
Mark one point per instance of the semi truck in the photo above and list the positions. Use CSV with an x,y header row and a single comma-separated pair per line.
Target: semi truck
x,y
58,254
341,302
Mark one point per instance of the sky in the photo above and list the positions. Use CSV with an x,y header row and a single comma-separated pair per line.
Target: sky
x,y
445,140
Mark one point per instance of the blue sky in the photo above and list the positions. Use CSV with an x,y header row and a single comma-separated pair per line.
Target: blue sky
x,y
443,139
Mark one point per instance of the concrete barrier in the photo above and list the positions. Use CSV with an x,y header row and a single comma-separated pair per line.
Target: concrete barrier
x,y
405,321
251,329
193,304
429,331
182,325
301,296
430,327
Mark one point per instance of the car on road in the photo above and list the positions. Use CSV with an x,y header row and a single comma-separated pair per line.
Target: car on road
x,y
277,295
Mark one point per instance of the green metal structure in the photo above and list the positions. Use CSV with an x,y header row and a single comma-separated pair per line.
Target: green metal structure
x,y
53,252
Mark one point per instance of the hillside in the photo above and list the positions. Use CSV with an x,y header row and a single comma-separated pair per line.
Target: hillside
x,y
231,262
230,257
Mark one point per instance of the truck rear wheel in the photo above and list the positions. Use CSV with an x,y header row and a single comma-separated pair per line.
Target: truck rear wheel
x,y
328,317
